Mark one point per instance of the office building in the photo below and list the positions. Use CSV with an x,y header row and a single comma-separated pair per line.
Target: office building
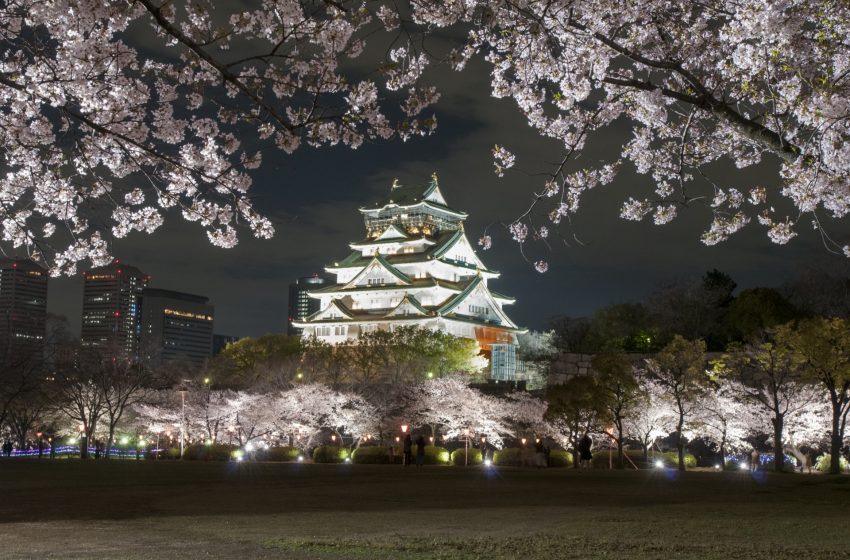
x,y
112,310
176,327
300,303
23,310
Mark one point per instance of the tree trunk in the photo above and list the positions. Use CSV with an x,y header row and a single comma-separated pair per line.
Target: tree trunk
x,y
723,456
680,442
618,423
620,464
778,450
576,456
835,448
110,439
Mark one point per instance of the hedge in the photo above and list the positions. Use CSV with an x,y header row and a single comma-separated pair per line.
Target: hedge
x,y
459,457
558,458
329,454
669,458
822,464
278,454
212,452
371,455
433,455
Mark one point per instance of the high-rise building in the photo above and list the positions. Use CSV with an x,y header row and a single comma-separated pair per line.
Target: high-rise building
x,y
301,304
176,327
220,342
112,310
23,310
415,268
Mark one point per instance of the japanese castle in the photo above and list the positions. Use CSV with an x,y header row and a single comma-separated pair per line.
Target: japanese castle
x,y
415,267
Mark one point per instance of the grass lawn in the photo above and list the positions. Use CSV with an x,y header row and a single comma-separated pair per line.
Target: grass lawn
x,y
149,509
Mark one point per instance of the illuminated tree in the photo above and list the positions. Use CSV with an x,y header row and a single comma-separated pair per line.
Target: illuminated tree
x,y
769,381
621,394
679,370
652,416
823,347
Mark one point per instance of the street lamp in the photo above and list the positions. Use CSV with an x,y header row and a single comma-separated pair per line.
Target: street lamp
x,y
182,390
404,428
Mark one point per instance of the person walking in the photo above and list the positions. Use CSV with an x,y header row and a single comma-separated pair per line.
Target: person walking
x,y
7,448
754,465
408,450
420,451
584,453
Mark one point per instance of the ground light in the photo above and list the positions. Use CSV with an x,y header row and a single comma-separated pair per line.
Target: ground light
x,y
300,458
348,459
487,462
744,466
659,464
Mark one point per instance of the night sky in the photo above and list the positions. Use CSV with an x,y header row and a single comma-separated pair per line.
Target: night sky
x,y
313,197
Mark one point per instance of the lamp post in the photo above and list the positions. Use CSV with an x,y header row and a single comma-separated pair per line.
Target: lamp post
x,y
466,452
404,453
182,390
84,443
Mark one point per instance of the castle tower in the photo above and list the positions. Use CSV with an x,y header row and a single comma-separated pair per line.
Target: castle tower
x,y
415,267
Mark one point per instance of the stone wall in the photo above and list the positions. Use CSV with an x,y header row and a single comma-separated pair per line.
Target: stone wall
x,y
568,364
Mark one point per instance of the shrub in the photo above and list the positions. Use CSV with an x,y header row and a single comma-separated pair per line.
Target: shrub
x,y
278,454
371,455
507,457
212,452
434,455
329,454
459,456
558,458
822,464
669,458
790,464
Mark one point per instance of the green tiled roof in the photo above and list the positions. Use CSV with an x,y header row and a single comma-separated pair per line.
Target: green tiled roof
x,y
411,195
443,242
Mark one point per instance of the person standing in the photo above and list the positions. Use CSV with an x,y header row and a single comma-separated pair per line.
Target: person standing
x,y
420,451
483,446
584,453
539,454
408,450
754,465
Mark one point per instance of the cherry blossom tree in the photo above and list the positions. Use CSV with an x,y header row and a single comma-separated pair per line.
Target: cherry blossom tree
x,y
652,416
118,112
770,382
679,370
725,419
314,407
574,410
823,347
450,403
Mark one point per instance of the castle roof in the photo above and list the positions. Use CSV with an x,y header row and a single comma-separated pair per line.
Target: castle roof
x,y
414,195
442,244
